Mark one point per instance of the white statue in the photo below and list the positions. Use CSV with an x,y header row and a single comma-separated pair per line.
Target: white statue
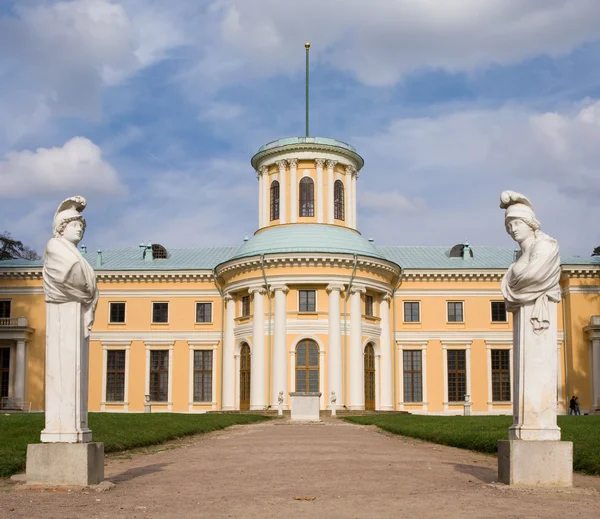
x,y
68,277
280,398
333,398
71,296
534,276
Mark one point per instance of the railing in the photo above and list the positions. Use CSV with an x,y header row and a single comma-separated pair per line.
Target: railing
x,y
13,321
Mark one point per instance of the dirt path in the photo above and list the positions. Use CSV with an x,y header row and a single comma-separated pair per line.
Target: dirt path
x,y
329,470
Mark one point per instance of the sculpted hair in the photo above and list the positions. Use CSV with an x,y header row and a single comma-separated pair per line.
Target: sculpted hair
x,y
61,228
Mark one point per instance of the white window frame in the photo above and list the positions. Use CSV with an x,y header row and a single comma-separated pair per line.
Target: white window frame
x,y
110,303
456,345
160,345
250,309
115,346
152,312
413,345
404,315
489,346
492,314
464,315
316,301
196,312
206,347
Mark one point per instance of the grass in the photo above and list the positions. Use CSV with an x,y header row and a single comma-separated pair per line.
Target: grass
x,y
118,431
481,433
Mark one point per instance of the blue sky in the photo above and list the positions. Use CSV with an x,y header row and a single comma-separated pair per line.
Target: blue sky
x,y
152,111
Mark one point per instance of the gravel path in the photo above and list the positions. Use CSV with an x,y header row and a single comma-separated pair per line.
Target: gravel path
x,y
278,469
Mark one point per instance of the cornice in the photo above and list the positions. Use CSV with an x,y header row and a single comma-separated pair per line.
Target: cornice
x,y
580,271
453,275
267,157
447,336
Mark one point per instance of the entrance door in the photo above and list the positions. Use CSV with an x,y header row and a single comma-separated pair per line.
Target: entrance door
x,y
245,377
4,370
369,377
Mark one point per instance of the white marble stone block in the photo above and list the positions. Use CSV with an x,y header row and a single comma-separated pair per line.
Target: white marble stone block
x,y
305,406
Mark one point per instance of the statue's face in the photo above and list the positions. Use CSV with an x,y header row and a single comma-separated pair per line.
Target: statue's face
x,y
74,231
518,230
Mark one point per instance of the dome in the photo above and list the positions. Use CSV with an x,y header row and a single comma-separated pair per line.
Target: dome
x,y
308,238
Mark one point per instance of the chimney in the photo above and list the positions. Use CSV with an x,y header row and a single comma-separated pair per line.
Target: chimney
x,y
99,260
467,253
83,249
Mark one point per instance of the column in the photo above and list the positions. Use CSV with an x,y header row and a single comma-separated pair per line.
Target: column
x,y
386,403
293,163
228,356
356,354
264,186
330,191
354,177
282,164
20,371
259,176
280,382
596,373
319,165
258,399
400,375
334,361
348,201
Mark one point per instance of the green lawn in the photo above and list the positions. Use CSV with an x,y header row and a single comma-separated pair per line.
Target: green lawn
x,y
118,431
481,433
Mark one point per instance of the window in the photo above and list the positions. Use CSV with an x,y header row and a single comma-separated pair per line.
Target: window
x,y
4,371
413,376
203,360
160,312
307,301
307,197
307,367
116,313
115,375
203,312
498,312
411,312
274,200
245,306
338,200
501,375
4,309
457,375
369,306
159,375
159,252
455,312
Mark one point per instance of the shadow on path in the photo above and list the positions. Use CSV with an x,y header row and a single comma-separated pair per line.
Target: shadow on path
x,y
485,474
137,472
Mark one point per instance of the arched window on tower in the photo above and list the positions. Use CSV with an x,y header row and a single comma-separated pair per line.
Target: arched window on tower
x,y
338,200
274,200
307,197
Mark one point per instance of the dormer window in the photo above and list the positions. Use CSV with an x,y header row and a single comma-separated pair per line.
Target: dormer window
x,y
159,252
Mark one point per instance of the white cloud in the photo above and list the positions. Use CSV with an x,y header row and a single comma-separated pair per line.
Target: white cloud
x,y
389,202
77,166
460,162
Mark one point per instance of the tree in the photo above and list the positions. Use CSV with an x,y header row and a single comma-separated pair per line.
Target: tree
x,y
596,251
14,249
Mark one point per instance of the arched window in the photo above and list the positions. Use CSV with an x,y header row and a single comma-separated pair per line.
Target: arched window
x,y
338,200
159,252
369,377
274,200
307,367
307,197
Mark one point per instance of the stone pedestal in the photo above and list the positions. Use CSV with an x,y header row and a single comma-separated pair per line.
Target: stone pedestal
x,y
67,359
77,464
535,463
305,406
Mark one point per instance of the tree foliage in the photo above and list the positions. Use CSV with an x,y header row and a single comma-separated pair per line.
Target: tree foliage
x,y
14,249
596,251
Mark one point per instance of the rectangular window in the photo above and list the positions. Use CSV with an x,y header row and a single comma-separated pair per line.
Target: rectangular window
x,y
369,306
411,312
498,312
245,306
203,360
4,371
160,312
115,375
4,309
501,375
203,312
307,301
159,375
116,312
457,375
455,312
413,376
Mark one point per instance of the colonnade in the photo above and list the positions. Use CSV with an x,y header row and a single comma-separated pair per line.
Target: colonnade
x,y
324,209
348,387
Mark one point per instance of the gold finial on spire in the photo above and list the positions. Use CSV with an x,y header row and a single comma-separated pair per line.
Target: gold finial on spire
x,y
307,45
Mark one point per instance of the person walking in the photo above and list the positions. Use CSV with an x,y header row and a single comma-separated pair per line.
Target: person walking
x,y
572,404
577,410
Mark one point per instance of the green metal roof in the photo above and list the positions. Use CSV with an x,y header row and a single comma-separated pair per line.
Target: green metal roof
x,y
306,140
308,238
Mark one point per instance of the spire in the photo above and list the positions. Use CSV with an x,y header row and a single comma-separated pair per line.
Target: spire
x,y
307,47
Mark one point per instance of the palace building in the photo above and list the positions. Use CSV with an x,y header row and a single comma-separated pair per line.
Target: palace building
x,y
308,305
